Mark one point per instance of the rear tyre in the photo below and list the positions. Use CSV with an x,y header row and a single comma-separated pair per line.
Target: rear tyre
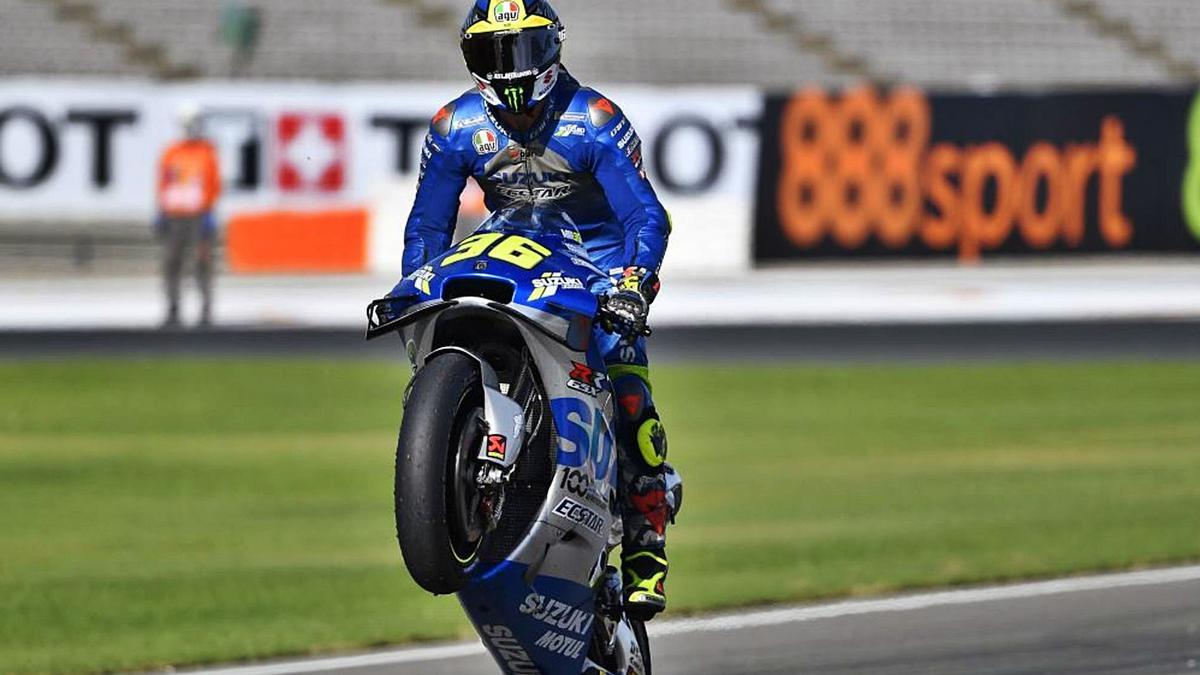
x,y
439,523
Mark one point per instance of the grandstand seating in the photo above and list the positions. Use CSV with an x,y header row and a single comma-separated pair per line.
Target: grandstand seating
x,y
677,42
34,41
186,30
369,39
940,43
1175,23
948,43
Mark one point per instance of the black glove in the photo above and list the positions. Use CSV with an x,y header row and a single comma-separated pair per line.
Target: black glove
x,y
625,310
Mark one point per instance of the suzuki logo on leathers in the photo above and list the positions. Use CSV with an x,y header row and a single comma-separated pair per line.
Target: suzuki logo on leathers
x,y
532,177
522,173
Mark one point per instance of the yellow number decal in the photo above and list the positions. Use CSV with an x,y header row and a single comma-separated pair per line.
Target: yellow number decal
x,y
472,246
524,253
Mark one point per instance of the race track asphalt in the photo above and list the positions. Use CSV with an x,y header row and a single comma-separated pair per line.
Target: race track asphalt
x,y
1047,340
1143,631
1095,626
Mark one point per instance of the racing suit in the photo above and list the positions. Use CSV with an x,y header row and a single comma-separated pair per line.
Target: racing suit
x,y
584,155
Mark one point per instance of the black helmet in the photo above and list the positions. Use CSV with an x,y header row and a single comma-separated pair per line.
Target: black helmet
x,y
513,49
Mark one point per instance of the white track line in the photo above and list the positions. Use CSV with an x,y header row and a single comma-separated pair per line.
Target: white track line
x,y
772,617
412,655
939,599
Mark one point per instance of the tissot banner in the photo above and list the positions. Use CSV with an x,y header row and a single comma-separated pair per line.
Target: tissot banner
x,y
87,151
901,173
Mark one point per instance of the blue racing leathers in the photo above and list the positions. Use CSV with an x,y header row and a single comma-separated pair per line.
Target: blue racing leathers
x,y
584,155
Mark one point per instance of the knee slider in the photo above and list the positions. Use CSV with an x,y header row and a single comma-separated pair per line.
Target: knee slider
x,y
674,485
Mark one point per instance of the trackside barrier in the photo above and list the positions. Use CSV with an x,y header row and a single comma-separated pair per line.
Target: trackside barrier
x,y
292,153
331,241
749,178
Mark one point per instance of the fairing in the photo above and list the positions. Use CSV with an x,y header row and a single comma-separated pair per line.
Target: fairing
x,y
561,284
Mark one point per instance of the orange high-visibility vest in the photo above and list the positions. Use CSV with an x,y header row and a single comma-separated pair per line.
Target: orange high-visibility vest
x,y
189,180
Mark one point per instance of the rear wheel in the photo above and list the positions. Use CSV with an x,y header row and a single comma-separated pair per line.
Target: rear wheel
x,y
440,522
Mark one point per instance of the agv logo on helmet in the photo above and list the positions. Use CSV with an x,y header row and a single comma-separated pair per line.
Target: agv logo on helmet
x,y
512,49
506,11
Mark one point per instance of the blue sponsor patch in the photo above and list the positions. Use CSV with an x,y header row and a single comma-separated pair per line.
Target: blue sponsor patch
x,y
583,435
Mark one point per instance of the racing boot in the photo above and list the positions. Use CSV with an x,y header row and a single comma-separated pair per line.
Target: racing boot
x,y
644,574
643,547
649,487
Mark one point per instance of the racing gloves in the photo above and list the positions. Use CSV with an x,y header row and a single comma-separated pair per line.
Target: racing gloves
x,y
625,310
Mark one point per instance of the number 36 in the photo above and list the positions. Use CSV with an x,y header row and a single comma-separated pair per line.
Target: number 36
x,y
524,253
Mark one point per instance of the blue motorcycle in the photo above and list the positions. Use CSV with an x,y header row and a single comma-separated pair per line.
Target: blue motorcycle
x,y
506,465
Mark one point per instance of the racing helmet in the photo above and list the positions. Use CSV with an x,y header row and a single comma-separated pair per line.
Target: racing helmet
x,y
513,49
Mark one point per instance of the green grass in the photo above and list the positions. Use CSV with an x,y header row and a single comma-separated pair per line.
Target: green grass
x,y
180,511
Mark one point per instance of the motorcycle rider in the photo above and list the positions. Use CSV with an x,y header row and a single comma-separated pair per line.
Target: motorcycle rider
x,y
529,131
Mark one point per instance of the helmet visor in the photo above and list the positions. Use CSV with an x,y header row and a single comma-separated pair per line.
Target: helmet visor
x,y
511,54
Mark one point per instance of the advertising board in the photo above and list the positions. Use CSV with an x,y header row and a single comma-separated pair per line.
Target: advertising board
x,y
903,174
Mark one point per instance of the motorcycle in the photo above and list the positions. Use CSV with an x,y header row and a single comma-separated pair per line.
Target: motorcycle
x,y
506,464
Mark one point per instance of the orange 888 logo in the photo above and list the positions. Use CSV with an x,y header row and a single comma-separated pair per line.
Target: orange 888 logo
x,y
851,166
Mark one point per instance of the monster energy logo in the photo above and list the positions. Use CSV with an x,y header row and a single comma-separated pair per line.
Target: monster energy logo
x,y
513,96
